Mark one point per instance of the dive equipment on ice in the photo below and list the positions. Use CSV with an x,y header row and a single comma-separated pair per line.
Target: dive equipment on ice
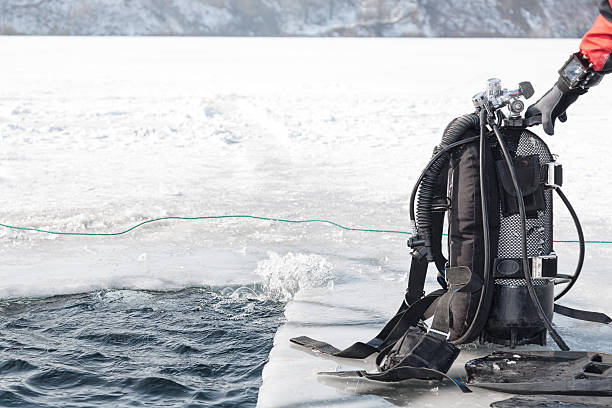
x,y
495,179
475,234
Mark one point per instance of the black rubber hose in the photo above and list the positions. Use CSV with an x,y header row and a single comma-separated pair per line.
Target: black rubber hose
x,y
454,132
580,239
433,160
484,294
521,204
429,178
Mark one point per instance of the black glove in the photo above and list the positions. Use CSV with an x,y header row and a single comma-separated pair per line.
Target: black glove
x,y
553,104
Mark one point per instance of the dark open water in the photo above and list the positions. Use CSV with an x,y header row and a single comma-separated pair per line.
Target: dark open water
x,y
192,348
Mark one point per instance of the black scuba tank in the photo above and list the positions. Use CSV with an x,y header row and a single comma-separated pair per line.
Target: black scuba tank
x,y
487,224
513,318
494,179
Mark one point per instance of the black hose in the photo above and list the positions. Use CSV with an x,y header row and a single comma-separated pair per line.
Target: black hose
x,y
453,133
484,294
521,204
580,239
426,185
433,160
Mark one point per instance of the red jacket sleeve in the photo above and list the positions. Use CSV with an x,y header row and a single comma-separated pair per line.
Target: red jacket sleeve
x,y
597,43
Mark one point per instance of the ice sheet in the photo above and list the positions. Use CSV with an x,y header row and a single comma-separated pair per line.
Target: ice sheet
x,y
98,134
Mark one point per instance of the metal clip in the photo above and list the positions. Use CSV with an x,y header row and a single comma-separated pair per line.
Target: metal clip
x,y
441,333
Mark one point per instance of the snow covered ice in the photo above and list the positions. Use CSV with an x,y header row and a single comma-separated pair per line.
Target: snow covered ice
x,y
98,134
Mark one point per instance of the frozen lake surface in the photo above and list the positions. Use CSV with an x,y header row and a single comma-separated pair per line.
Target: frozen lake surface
x,y
98,134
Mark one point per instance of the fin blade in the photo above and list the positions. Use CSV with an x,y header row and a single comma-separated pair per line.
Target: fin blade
x,y
315,345
543,372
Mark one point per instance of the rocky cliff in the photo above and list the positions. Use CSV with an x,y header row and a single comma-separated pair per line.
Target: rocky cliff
x,y
392,18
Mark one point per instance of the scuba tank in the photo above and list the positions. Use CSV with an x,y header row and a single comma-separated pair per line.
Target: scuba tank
x,y
494,181
498,196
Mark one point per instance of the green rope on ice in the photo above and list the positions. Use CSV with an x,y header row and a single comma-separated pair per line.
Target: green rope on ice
x,y
218,217
212,217
585,241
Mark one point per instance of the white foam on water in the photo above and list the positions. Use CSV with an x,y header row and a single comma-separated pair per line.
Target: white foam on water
x,y
284,276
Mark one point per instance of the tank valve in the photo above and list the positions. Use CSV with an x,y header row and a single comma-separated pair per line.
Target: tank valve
x,y
495,98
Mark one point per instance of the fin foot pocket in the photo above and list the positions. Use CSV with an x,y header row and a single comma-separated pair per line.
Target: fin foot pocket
x,y
399,374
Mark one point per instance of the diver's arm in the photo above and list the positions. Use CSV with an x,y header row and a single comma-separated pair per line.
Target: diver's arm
x,y
597,42
582,71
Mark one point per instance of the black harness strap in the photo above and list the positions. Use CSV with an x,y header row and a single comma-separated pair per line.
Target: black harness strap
x,y
411,317
459,279
416,280
440,326
393,330
585,315
418,266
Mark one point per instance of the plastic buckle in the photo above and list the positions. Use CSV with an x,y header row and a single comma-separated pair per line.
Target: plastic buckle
x,y
537,265
441,333
554,177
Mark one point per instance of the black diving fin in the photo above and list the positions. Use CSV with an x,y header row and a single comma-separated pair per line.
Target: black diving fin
x,y
399,374
554,401
543,372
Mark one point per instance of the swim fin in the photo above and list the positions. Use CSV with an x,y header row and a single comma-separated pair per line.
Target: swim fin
x,y
554,401
543,372
399,374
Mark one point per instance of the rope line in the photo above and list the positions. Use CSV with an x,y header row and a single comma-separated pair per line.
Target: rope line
x,y
219,217
212,217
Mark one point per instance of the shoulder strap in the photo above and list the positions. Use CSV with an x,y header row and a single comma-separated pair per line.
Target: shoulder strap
x,y
416,280
418,267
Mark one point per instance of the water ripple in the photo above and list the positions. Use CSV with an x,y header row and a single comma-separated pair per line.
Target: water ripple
x,y
15,365
134,348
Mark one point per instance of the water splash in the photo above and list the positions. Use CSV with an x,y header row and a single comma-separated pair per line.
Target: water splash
x,y
284,276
